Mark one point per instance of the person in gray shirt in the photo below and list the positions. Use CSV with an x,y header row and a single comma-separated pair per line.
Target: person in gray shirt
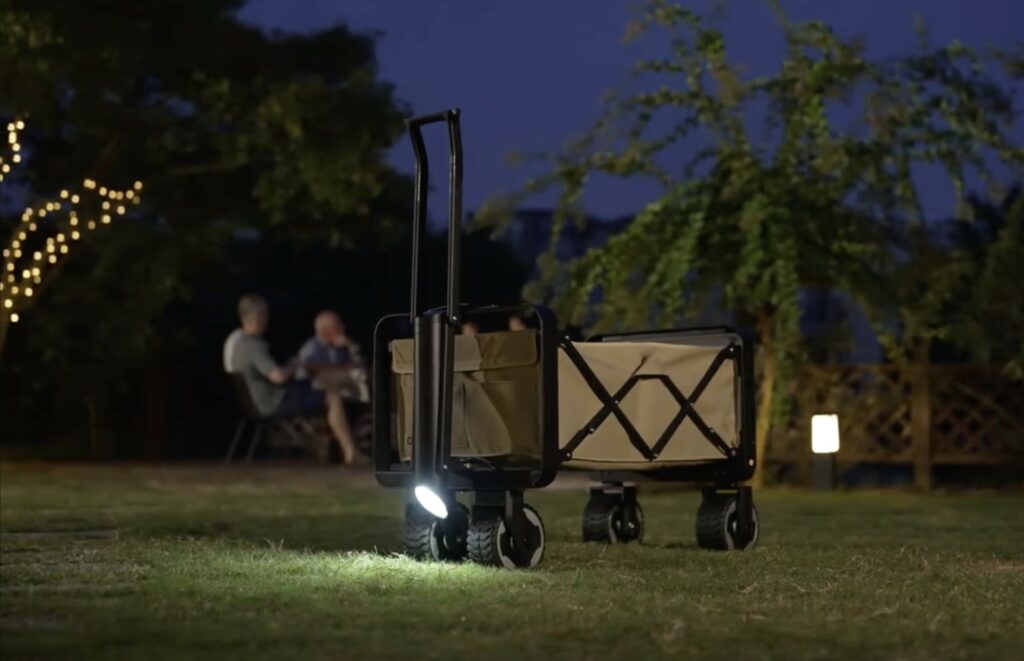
x,y
271,386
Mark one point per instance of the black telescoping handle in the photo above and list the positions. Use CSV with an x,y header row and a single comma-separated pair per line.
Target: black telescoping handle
x,y
418,288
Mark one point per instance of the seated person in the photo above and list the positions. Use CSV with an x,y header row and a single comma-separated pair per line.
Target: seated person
x,y
271,387
331,360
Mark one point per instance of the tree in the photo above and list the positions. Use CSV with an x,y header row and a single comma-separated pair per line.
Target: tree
x,y
941,108
228,126
756,210
222,120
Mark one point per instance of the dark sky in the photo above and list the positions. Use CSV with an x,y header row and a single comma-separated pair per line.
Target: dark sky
x,y
530,74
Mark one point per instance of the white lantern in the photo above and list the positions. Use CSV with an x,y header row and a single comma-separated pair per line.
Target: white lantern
x,y
825,433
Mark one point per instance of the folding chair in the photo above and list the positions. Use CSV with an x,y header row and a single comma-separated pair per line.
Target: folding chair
x,y
252,421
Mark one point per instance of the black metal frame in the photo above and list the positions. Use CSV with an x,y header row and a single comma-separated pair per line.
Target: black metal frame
x,y
737,464
499,489
457,473
433,332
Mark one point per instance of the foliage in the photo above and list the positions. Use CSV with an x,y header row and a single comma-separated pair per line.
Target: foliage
x,y
988,319
231,128
940,108
807,176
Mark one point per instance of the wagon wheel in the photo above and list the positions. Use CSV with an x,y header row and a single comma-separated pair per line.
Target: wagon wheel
x,y
491,543
604,520
431,538
717,520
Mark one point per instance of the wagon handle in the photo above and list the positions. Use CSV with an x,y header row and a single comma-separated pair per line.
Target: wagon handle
x,y
422,178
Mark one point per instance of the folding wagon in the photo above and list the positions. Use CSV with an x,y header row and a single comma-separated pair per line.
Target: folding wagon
x,y
495,412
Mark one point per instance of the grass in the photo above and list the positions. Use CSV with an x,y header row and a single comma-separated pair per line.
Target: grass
x,y
291,563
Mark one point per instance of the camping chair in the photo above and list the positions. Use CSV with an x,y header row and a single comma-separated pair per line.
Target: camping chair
x,y
251,420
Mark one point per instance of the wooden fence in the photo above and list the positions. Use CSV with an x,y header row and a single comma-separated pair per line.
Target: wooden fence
x,y
942,414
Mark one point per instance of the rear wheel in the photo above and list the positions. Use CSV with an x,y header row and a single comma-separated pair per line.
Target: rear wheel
x,y
491,543
431,538
604,520
717,523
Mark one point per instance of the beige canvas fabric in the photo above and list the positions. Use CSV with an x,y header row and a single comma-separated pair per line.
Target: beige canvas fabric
x,y
496,395
649,406
496,400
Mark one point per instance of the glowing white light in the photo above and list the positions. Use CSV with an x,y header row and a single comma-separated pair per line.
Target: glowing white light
x,y
824,433
431,502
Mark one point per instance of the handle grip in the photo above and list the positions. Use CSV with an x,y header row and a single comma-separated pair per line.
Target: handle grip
x,y
422,179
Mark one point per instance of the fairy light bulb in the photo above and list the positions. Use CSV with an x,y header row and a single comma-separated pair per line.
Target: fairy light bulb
x,y
15,318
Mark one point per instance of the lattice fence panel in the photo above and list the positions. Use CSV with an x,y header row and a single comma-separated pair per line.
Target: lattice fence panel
x,y
977,416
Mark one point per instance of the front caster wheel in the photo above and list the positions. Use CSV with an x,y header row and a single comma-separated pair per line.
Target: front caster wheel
x,y
717,523
431,538
491,543
604,520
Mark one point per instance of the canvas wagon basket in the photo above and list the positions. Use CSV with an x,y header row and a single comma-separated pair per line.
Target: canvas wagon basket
x,y
621,405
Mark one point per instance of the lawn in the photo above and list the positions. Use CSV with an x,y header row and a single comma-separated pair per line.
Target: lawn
x,y
177,562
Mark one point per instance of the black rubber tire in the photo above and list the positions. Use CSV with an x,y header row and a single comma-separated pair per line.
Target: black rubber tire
x,y
716,524
488,541
602,521
429,538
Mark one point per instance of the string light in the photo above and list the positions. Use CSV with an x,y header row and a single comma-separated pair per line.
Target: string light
x,y
13,146
57,245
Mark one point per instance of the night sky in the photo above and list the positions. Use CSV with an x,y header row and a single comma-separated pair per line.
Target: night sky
x,y
530,74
